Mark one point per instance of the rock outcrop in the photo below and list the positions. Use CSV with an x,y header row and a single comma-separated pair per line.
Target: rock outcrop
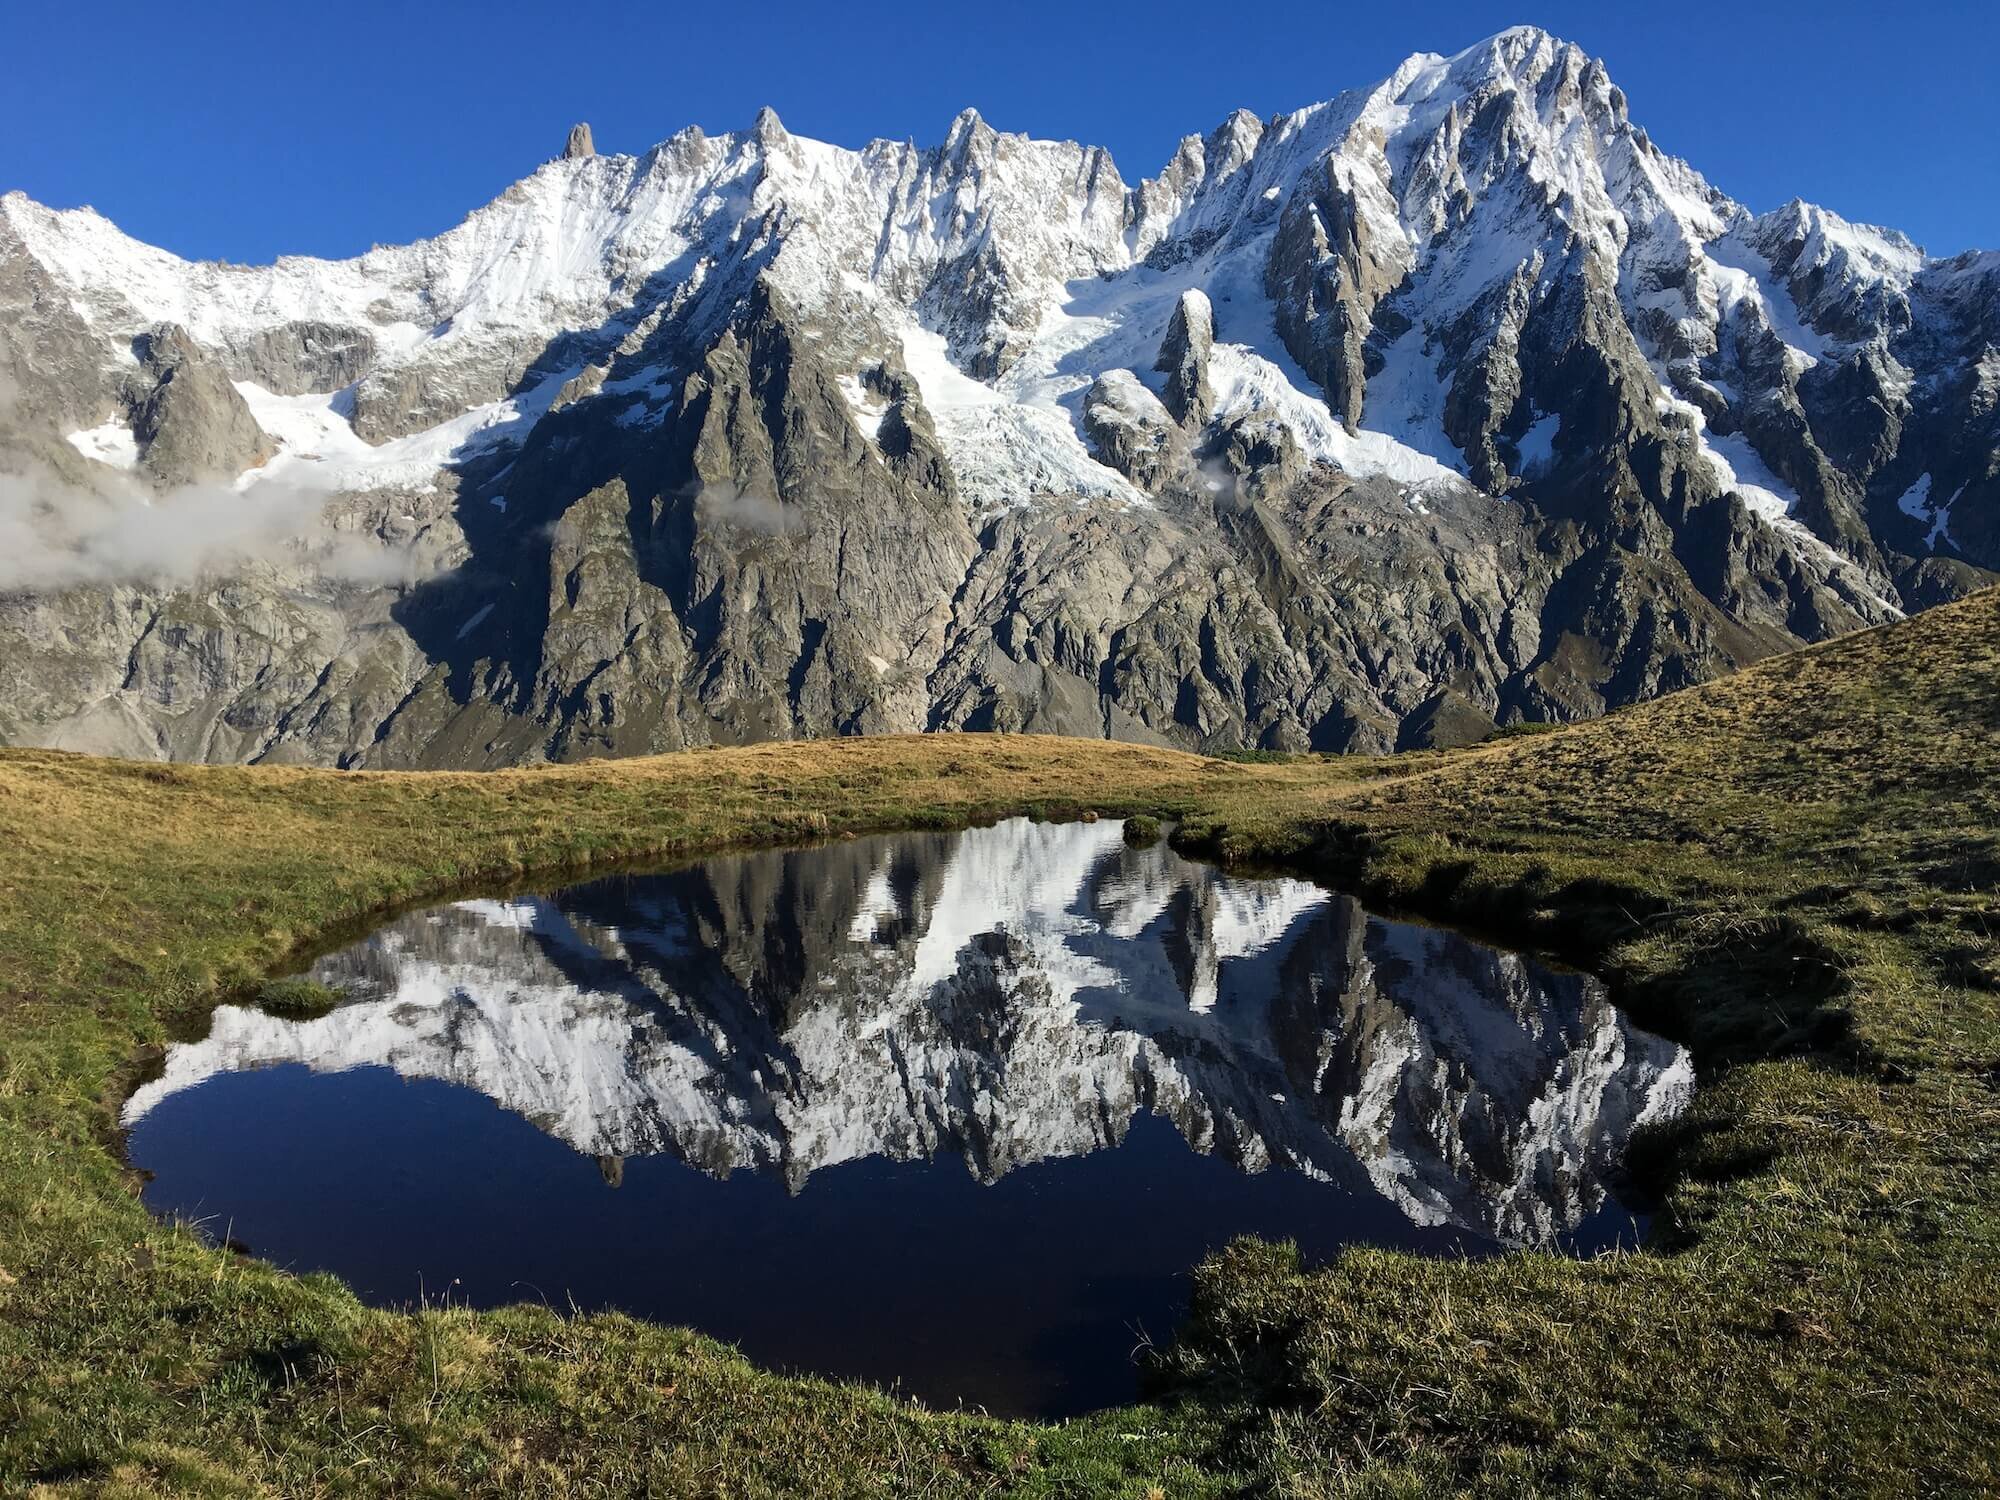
x,y
189,421
1130,428
1184,359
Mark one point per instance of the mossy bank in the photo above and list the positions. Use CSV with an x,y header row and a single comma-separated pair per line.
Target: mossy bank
x,y
1793,870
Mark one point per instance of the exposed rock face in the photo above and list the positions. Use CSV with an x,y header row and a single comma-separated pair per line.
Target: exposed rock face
x,y
1448,401
579,143
1130,428
1330,266
1004,996
1184,359
191,424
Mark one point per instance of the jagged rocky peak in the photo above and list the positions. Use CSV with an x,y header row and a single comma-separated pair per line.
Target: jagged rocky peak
x,y
579,143
1531,421
1850,282
969,139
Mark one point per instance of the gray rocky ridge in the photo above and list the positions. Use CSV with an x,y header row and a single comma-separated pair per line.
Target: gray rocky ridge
x,y
1449,402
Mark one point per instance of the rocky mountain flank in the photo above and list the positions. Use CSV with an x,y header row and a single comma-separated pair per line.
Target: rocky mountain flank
x,y
1445,403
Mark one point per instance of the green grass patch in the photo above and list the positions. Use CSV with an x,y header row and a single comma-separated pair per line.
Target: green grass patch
x,y
1142,830
296,999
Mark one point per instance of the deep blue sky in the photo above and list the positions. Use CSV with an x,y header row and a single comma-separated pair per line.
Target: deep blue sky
x,y
241,130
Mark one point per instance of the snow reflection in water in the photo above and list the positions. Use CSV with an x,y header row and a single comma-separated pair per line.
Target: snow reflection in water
x,y
954,1110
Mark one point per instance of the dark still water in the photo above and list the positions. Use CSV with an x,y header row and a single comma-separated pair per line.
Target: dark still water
x,y
950,1112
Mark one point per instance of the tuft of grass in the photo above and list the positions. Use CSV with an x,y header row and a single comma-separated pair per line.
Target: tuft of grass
x,y
1793,870
1142,830
1524,729
297,999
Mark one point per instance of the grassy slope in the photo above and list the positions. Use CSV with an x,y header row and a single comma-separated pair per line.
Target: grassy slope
x,y
1794,870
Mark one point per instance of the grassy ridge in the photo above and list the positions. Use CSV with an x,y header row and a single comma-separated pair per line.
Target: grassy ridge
x,y
1794,870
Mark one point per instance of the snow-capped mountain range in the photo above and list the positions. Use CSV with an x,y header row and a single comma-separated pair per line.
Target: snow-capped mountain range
x,y
1448,401
1006,995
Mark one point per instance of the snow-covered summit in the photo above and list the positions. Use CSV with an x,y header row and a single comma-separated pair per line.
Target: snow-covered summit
x,y
1019,253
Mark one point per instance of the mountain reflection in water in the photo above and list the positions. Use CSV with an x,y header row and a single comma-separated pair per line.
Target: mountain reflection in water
x,y
1001,998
